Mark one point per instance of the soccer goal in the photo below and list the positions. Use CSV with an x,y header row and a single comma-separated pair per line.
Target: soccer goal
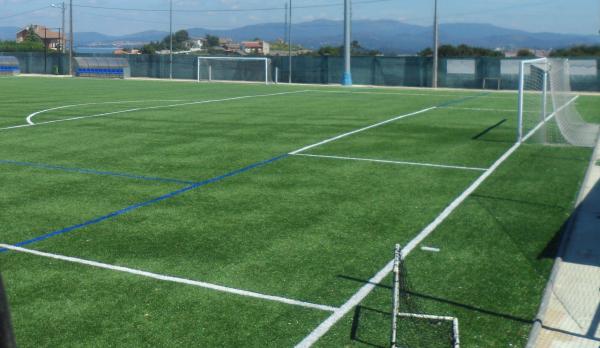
x,y
243,69
547,106
410,326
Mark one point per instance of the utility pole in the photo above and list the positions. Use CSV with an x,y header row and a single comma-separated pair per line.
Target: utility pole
x,y
285,27
290,44
171,40
436,45
45,49
71,37
347,79
63,42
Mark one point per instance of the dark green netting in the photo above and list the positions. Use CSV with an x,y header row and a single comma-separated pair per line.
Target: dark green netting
x,y
378,71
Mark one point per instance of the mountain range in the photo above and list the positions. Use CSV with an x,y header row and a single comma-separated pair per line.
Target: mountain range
x,y
385,35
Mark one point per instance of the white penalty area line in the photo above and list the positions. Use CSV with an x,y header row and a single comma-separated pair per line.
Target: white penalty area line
x,y
306,148
432,165
366,289
171,279
152,108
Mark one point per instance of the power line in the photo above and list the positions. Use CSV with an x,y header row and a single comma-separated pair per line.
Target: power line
x,y
226,10
24,13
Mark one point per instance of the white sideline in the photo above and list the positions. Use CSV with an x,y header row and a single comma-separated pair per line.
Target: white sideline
x,y
31,116
361,130
154,108
171,279
366,289
395,162
433,94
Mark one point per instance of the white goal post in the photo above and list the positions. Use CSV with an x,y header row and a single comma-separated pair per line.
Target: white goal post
x,y
251,69
547,111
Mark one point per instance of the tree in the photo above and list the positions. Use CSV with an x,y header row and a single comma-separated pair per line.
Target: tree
x,y
356,50
212,40
524,52
32,36
150,48
577,51
448,51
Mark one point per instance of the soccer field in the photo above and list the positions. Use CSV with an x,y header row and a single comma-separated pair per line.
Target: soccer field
x,y
217,215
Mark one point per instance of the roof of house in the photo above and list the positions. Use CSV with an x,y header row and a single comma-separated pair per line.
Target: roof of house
x,y
43,32
252,44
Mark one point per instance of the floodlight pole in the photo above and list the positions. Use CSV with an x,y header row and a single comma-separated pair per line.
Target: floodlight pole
x,y
436,45
171,39
63,41
71,37
290,45
347,79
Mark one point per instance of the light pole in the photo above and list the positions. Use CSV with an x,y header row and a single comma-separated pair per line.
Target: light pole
x,y
62,7
171,39
436,45
347,79
290,45
71,37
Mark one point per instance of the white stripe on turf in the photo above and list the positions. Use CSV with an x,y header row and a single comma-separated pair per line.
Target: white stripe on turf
x,y
153,108
171,279
29,118
361,130
364,291
395,162
411,94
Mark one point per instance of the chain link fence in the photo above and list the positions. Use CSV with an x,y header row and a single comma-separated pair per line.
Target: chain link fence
x,y
475,73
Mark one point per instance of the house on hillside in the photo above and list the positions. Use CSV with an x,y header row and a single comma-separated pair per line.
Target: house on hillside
x,y
52,40
196,45
256,47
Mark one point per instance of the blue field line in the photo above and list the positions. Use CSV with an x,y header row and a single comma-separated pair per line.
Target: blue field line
x,y
461,100
94,172
147,203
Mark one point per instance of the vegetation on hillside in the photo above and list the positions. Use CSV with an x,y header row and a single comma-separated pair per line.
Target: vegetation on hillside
x,y
577,51
447,51
357,50
179,43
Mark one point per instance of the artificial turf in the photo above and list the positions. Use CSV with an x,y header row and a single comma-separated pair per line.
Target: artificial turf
x,y
310,229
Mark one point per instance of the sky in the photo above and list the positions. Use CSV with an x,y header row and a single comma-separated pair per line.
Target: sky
x,y
561,16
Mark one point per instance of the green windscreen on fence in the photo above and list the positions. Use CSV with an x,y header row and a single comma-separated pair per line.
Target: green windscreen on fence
x,y
477,73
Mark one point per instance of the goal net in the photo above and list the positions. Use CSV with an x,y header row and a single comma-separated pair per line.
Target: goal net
x,y
411,327
242,69
548,108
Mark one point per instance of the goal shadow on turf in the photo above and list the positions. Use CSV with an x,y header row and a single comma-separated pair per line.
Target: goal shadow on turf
x,y
448,302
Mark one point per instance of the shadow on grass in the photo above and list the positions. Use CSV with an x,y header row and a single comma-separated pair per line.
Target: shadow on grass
x,y
449,302
489,129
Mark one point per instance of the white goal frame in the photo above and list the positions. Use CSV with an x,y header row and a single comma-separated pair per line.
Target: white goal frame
x,y
200,59
543,102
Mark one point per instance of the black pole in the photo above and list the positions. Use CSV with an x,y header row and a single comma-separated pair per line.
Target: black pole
x,y
7,338
45,50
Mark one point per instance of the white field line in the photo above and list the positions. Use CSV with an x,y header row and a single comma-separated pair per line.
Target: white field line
x,y
432,94
154,108
486,109
395,162
361,130
29,118
170,278
366,289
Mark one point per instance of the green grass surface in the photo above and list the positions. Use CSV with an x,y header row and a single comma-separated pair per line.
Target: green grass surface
x,y
311,229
